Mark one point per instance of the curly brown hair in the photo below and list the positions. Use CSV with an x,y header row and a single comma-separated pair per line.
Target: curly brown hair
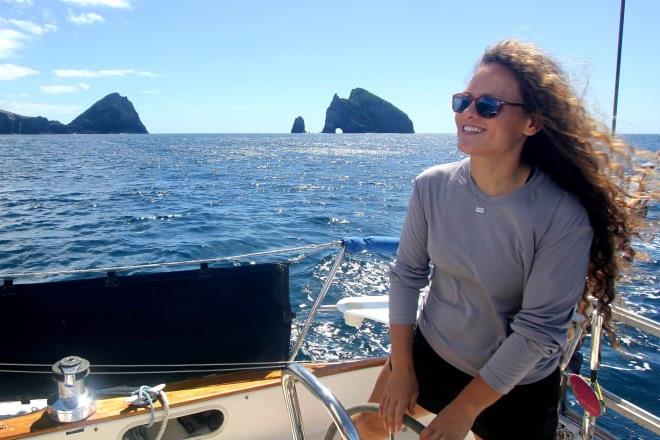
x,y
581,157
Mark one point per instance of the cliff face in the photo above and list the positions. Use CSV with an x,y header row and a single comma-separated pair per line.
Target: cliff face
x,y
298,125
364,112
112,114
11,123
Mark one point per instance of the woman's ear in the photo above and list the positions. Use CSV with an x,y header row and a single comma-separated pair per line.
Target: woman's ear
x,y
534,125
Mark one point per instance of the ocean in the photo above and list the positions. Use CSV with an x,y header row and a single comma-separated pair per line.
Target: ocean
x,y
79,201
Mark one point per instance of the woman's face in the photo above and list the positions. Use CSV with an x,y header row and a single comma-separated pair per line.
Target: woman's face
x,y
503,134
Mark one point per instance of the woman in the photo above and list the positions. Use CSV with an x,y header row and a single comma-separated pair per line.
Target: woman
x,y
512,233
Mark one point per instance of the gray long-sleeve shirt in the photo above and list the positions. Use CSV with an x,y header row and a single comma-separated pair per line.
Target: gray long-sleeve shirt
x,y
507,273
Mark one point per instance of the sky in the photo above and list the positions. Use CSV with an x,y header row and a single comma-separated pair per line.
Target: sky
x,y
252,66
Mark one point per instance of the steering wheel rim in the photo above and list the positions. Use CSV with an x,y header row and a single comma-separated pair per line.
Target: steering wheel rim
x,y
408,421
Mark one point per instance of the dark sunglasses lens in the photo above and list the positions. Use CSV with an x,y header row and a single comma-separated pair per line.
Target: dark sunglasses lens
x,y
460,102
488,107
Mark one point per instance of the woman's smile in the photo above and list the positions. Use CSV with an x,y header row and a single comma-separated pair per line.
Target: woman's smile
x,y
472,130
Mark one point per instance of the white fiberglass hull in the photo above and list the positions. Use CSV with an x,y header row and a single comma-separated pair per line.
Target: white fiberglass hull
x,y
254,414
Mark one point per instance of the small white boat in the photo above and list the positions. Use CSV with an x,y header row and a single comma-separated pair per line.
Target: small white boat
x,y
257,398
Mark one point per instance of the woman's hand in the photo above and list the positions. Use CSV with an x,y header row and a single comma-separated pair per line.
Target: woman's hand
x,y
452,423
456,419
399,398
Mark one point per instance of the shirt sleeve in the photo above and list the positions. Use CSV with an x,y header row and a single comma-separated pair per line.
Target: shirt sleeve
x,y
410,271
553,289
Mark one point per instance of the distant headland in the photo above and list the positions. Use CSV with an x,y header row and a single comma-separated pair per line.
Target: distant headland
x,y
112,114
364,112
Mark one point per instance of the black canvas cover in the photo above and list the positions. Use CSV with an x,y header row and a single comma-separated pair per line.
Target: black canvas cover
x,y
208,315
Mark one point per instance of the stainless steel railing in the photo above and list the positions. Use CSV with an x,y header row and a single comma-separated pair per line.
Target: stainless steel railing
x,y
616,403
639,322
296,373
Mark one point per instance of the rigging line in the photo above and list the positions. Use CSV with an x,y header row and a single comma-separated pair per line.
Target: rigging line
x,y
618,66
309,247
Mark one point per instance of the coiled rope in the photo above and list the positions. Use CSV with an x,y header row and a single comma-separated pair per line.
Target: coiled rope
x,y
145,396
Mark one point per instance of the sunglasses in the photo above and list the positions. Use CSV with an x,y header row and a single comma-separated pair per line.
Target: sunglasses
x,y
487,106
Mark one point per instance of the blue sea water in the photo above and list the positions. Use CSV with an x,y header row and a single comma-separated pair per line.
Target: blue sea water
x,y
80,201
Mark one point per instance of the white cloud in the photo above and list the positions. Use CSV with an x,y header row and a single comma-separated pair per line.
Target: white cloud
x,y
104,73
118,4
10,41
32,28
116,72
12,71
17,95
21,2
60,88
57,112
522,29
84,73
75,73
86,18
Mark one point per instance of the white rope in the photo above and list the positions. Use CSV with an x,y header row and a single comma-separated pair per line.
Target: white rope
x,y
145,396
309,247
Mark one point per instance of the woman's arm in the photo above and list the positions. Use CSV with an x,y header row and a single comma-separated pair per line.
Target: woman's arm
x,y
400,394
456,419
408,275
410,272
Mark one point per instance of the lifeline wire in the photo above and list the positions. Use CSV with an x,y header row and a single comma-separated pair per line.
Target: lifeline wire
x,y
312,247
233,367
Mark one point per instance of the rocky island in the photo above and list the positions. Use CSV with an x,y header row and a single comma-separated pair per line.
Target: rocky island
x,y
298,125
364,112
112,114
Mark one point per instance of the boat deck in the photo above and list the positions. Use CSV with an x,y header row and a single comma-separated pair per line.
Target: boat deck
x,y
178,393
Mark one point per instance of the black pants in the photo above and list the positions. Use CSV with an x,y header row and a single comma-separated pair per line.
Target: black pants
x,y
526,412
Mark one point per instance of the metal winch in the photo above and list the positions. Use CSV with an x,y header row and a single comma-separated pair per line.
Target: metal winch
x,y
72,402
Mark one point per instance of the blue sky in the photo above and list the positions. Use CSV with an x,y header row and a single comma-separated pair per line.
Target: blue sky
x,y
245,66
